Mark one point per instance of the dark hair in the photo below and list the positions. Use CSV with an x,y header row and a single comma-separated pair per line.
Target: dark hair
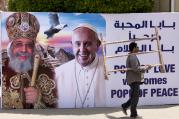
x,y
132,45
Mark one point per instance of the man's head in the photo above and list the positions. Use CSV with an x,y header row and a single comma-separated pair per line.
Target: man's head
x,y
22,29
133,48
85,44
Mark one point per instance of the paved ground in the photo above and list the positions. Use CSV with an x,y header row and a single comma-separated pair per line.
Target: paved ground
x,y
147,112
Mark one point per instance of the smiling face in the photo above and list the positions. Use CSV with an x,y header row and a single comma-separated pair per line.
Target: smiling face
x,y
22,48
85,45
21,55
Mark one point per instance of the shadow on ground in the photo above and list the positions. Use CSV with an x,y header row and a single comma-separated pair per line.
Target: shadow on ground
x,y
89,111
125,117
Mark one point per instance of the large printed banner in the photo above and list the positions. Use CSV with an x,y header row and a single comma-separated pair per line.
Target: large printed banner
x,y
59,81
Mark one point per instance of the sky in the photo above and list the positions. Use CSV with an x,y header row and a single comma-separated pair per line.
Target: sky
x,y
62,39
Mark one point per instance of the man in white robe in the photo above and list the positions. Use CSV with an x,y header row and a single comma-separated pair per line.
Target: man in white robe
x,y
81,82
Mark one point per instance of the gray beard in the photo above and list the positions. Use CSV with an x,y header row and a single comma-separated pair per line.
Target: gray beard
x,y
20,66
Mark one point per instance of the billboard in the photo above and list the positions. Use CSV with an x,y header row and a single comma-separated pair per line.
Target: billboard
x,y
67,78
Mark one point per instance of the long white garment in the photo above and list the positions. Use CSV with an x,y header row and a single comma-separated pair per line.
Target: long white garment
x,y
81,87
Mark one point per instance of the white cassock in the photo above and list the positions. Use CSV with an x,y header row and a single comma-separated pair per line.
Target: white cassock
x,y
81,87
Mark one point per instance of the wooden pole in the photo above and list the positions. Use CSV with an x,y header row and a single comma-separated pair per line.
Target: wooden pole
x,y
126,69
114,56
125,41
162,67
35,69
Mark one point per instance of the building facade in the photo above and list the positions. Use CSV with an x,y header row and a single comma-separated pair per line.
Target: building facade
x,y
166,6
